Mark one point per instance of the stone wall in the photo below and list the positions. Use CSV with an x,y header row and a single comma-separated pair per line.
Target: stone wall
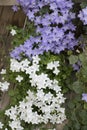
x,y
8,2
13,2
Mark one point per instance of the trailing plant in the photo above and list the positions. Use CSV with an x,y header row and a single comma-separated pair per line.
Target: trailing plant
x,y
46,76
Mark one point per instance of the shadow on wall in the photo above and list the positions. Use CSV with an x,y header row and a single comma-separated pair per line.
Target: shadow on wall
x,y
7,17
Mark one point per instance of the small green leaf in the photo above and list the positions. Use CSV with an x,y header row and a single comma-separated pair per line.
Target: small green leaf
x,y
71,105
83,115
82,57
73,59
77,87
85,106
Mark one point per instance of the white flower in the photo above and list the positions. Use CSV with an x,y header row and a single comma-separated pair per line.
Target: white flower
x,y
52,129
15,66
15,125
40,93
12,112
56,71
3,71
13,32
56,63
24,65
6,129
54,66
56,88
32,69
3,78
50,65
1,125
19,78
36,59
4,86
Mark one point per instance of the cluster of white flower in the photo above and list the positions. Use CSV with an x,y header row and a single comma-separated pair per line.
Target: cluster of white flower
x,y
16,66
4,85
42,105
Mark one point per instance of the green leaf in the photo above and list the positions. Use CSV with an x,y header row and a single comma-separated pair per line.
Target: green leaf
x,y
82,57
77,99
69,52
85,106
77,87
73,59
73,116
84,128
77,126
83,74
71,105
83,115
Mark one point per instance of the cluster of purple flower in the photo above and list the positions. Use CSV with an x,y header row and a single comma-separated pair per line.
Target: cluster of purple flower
x,y
54,28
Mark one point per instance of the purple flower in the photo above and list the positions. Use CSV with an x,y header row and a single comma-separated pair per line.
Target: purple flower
x,y
15,8
83,16
84,97
77,66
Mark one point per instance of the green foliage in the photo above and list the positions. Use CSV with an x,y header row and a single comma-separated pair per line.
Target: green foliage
x,y
22,34
76,109
77,87
48,57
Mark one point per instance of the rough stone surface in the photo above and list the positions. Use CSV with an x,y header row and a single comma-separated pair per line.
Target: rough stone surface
x,y
8,2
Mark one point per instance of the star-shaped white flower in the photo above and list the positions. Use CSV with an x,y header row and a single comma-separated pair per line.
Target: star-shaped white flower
x,y
13,32
4,86
1,125
3,71
19,78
